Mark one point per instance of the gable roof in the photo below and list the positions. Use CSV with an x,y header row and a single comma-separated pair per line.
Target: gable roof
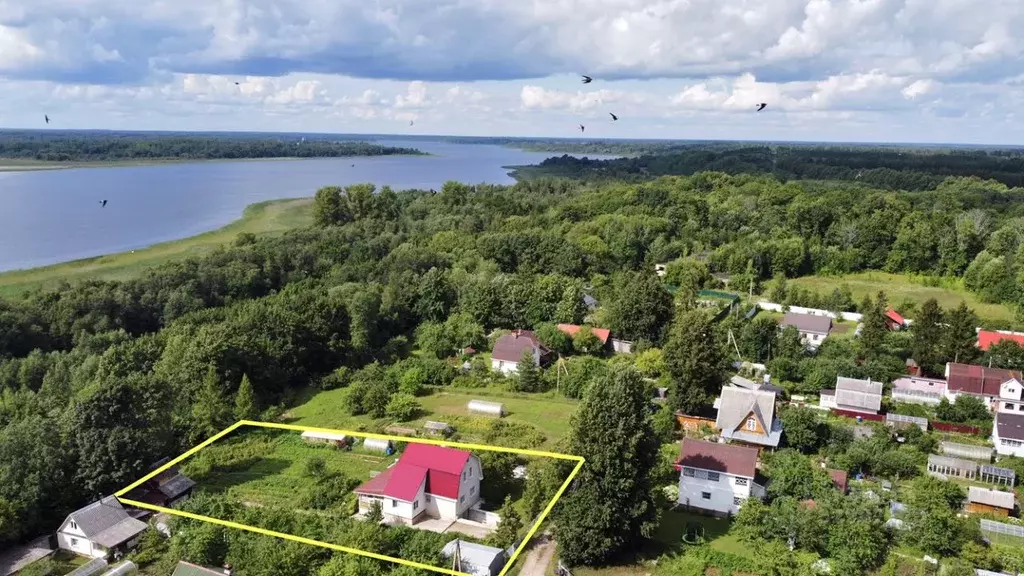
x,y
807,322
856,393
979,380
986,338
895,316
738,403
439,467
990,497
476,555
510,347
188,569
727,458
1010,426
839,478
106,522
571,329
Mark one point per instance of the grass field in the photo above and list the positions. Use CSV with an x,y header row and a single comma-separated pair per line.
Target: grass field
x,y
267,467
899,287
546,412
265,218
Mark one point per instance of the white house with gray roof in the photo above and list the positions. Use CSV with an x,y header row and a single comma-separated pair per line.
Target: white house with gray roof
x,y
813,329
99,528
854,395
747,416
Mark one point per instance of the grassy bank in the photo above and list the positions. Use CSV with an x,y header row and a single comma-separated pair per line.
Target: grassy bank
x,y
273,217
899,287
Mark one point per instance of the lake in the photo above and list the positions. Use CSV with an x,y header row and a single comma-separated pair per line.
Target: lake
x,y
55,216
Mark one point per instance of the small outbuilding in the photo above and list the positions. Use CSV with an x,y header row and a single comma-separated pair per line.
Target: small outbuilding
x,y
333,438
971,451
486,408
995,475
437,428
985,501
379,445
944,467
475,559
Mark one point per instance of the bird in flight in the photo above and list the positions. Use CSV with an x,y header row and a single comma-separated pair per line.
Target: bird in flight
x,y
587,79
410,122
103,203
761,106
582,128
236,83
614,117
47,118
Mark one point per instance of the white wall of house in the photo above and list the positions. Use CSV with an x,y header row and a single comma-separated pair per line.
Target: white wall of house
x,y
404,510
1010,397
469,485
70,537
952,395
828,401
504,366
723,493
1007,446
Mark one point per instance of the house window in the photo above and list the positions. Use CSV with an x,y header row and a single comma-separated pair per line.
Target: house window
x,y
705,495
751,424
427,497
74,526
741,481
688,472
472,490
463,475
1007,405
1010,443
713,476
74,541
415,504
471,472
394,503
737,501
462,499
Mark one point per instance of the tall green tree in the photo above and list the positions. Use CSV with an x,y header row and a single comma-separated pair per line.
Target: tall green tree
x,y
527,378
211,410
961,337
759,337
611,509
509,527
641,307
246,405
571,308
872,335
330,208
927,332
694,360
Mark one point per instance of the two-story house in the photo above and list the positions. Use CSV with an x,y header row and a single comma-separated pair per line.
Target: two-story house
x,y
99,529
429,480
747,416
1002,390
717,478
1008,434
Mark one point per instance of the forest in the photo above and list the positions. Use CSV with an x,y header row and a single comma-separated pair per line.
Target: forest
x,y
110,147
99,380
889,168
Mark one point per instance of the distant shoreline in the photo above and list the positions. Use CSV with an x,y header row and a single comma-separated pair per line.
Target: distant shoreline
x,y
15,165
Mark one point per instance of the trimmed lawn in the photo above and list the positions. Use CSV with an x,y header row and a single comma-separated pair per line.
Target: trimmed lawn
x,y
949,293
265,218
547,412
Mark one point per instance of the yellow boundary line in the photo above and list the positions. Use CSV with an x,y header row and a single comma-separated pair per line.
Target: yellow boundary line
x,y
508,565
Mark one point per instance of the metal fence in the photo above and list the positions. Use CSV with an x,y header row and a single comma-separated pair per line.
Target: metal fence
x,y
1001,533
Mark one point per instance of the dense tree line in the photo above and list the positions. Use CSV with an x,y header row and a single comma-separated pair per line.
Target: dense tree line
x,y
887,168
86,147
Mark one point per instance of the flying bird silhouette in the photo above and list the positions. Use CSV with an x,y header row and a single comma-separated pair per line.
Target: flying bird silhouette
x,y
761,106
47,118
587,79
410,122
582,128
614,117
236,83
103,203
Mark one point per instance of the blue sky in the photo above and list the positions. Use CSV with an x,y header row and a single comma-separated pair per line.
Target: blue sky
x,y
847,70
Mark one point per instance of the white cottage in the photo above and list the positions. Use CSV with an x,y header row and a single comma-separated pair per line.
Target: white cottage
x,y
717,478
427,480
99,528
508,351
1001,389
1008,434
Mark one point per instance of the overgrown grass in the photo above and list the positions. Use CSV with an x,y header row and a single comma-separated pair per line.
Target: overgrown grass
x,y
549,413
948,292
265,218
268,467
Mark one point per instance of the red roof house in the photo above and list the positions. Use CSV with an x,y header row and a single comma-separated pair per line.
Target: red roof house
x,y
987,338
978,380
508,350
433,480
571,329
893,320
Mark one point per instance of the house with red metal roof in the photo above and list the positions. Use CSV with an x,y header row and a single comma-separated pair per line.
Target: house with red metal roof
x,y
893,320
986,338
426,481
1002,390
717,478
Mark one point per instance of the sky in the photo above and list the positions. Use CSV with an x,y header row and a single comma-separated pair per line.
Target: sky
x,y
830,70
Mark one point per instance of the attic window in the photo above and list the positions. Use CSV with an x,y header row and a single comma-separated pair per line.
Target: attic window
x,y
751,424
74,526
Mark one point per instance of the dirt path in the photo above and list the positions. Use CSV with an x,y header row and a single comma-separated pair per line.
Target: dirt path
x,y
539,557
